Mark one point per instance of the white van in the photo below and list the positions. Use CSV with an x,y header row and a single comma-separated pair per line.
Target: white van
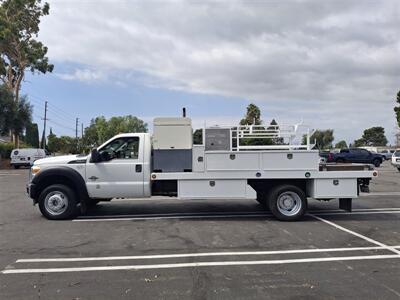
x,y
26,156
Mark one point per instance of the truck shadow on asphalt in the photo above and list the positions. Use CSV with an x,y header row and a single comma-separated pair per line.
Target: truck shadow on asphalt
x,y
211,210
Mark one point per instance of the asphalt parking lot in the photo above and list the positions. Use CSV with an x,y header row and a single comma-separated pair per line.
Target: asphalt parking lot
x,y
171,249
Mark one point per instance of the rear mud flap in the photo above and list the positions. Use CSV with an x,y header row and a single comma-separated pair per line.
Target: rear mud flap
x,y
345,204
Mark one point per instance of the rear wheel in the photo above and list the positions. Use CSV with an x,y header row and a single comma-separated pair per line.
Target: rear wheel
x,y
16,167
287,202
58,202
340,161
376,162
398,169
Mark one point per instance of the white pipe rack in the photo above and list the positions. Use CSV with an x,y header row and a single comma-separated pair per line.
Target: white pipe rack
x,y
285,134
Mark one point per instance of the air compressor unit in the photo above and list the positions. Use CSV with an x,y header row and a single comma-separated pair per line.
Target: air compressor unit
x,y
172,145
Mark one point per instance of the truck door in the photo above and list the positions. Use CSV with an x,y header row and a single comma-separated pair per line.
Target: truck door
x,y
365,156
120,173
355,156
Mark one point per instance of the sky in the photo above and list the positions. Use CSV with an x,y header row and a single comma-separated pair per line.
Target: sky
x,y
331,64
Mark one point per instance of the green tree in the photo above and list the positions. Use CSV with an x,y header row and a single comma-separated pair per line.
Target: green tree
x,y
14,116
253,116
341,145
19,50
322,138
198,137
374,136
397,109
53,142
6,109
32,135
101,129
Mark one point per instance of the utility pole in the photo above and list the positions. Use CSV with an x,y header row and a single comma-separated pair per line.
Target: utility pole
x,y
76,133
81,130
76,128
44,126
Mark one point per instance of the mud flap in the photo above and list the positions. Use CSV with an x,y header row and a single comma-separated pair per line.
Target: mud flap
x,y
345,204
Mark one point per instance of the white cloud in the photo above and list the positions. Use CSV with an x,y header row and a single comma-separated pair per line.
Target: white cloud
x,y
84,75
334,61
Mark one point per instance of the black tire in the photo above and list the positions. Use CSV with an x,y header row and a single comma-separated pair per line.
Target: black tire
x,y
376,162
64,198
340,161
16,167
295,194
398,169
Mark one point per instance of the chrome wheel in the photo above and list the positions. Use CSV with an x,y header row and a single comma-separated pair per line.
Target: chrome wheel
x,y
289,203
56,203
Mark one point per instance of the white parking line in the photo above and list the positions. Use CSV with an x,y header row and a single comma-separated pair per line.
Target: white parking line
x,y
380,194
175,216
5,174
221,215
205,254
358,213
392,249
198,264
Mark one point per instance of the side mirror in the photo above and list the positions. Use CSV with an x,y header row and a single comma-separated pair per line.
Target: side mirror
x,y
95,156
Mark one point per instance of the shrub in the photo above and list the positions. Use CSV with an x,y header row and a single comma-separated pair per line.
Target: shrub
x,y
5,150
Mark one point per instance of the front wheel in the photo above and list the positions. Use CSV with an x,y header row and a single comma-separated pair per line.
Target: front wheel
x,y
287,202
58,202
398,169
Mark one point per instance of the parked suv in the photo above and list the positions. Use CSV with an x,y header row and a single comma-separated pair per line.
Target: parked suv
x,y
356,155
396,159
387,154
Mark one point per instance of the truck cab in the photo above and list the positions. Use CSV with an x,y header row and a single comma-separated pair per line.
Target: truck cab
x,y
120,168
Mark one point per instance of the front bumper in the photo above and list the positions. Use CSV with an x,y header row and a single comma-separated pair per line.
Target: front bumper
x,y
31,191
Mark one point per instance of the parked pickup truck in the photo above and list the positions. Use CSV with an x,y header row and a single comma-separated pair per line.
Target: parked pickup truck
x,y
224,166
356,155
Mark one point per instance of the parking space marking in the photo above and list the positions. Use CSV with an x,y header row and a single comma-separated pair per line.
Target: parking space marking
x,y
204,254
219,215
198,264
358,213
175,216
392,249
380,194
5,174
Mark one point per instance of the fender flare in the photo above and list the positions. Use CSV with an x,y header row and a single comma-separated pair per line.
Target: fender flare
x,y
40,180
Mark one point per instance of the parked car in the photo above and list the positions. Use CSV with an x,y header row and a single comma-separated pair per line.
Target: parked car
x,y
396,159
26,156
356,155
387,154
323,156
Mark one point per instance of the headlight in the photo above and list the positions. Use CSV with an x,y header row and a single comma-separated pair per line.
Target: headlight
x,y
35,170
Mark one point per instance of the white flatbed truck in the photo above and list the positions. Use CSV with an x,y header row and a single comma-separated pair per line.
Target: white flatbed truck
x,y
281,177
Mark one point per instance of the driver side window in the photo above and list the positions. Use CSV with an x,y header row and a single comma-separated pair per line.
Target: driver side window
x,y
121,148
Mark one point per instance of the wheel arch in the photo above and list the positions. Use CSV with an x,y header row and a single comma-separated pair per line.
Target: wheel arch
x,y
265,185
59,175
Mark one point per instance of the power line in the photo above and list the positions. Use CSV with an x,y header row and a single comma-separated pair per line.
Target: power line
x,y
52,107
63,126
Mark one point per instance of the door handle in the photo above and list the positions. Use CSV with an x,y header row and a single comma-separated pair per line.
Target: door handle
x,y
93,178
138,168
